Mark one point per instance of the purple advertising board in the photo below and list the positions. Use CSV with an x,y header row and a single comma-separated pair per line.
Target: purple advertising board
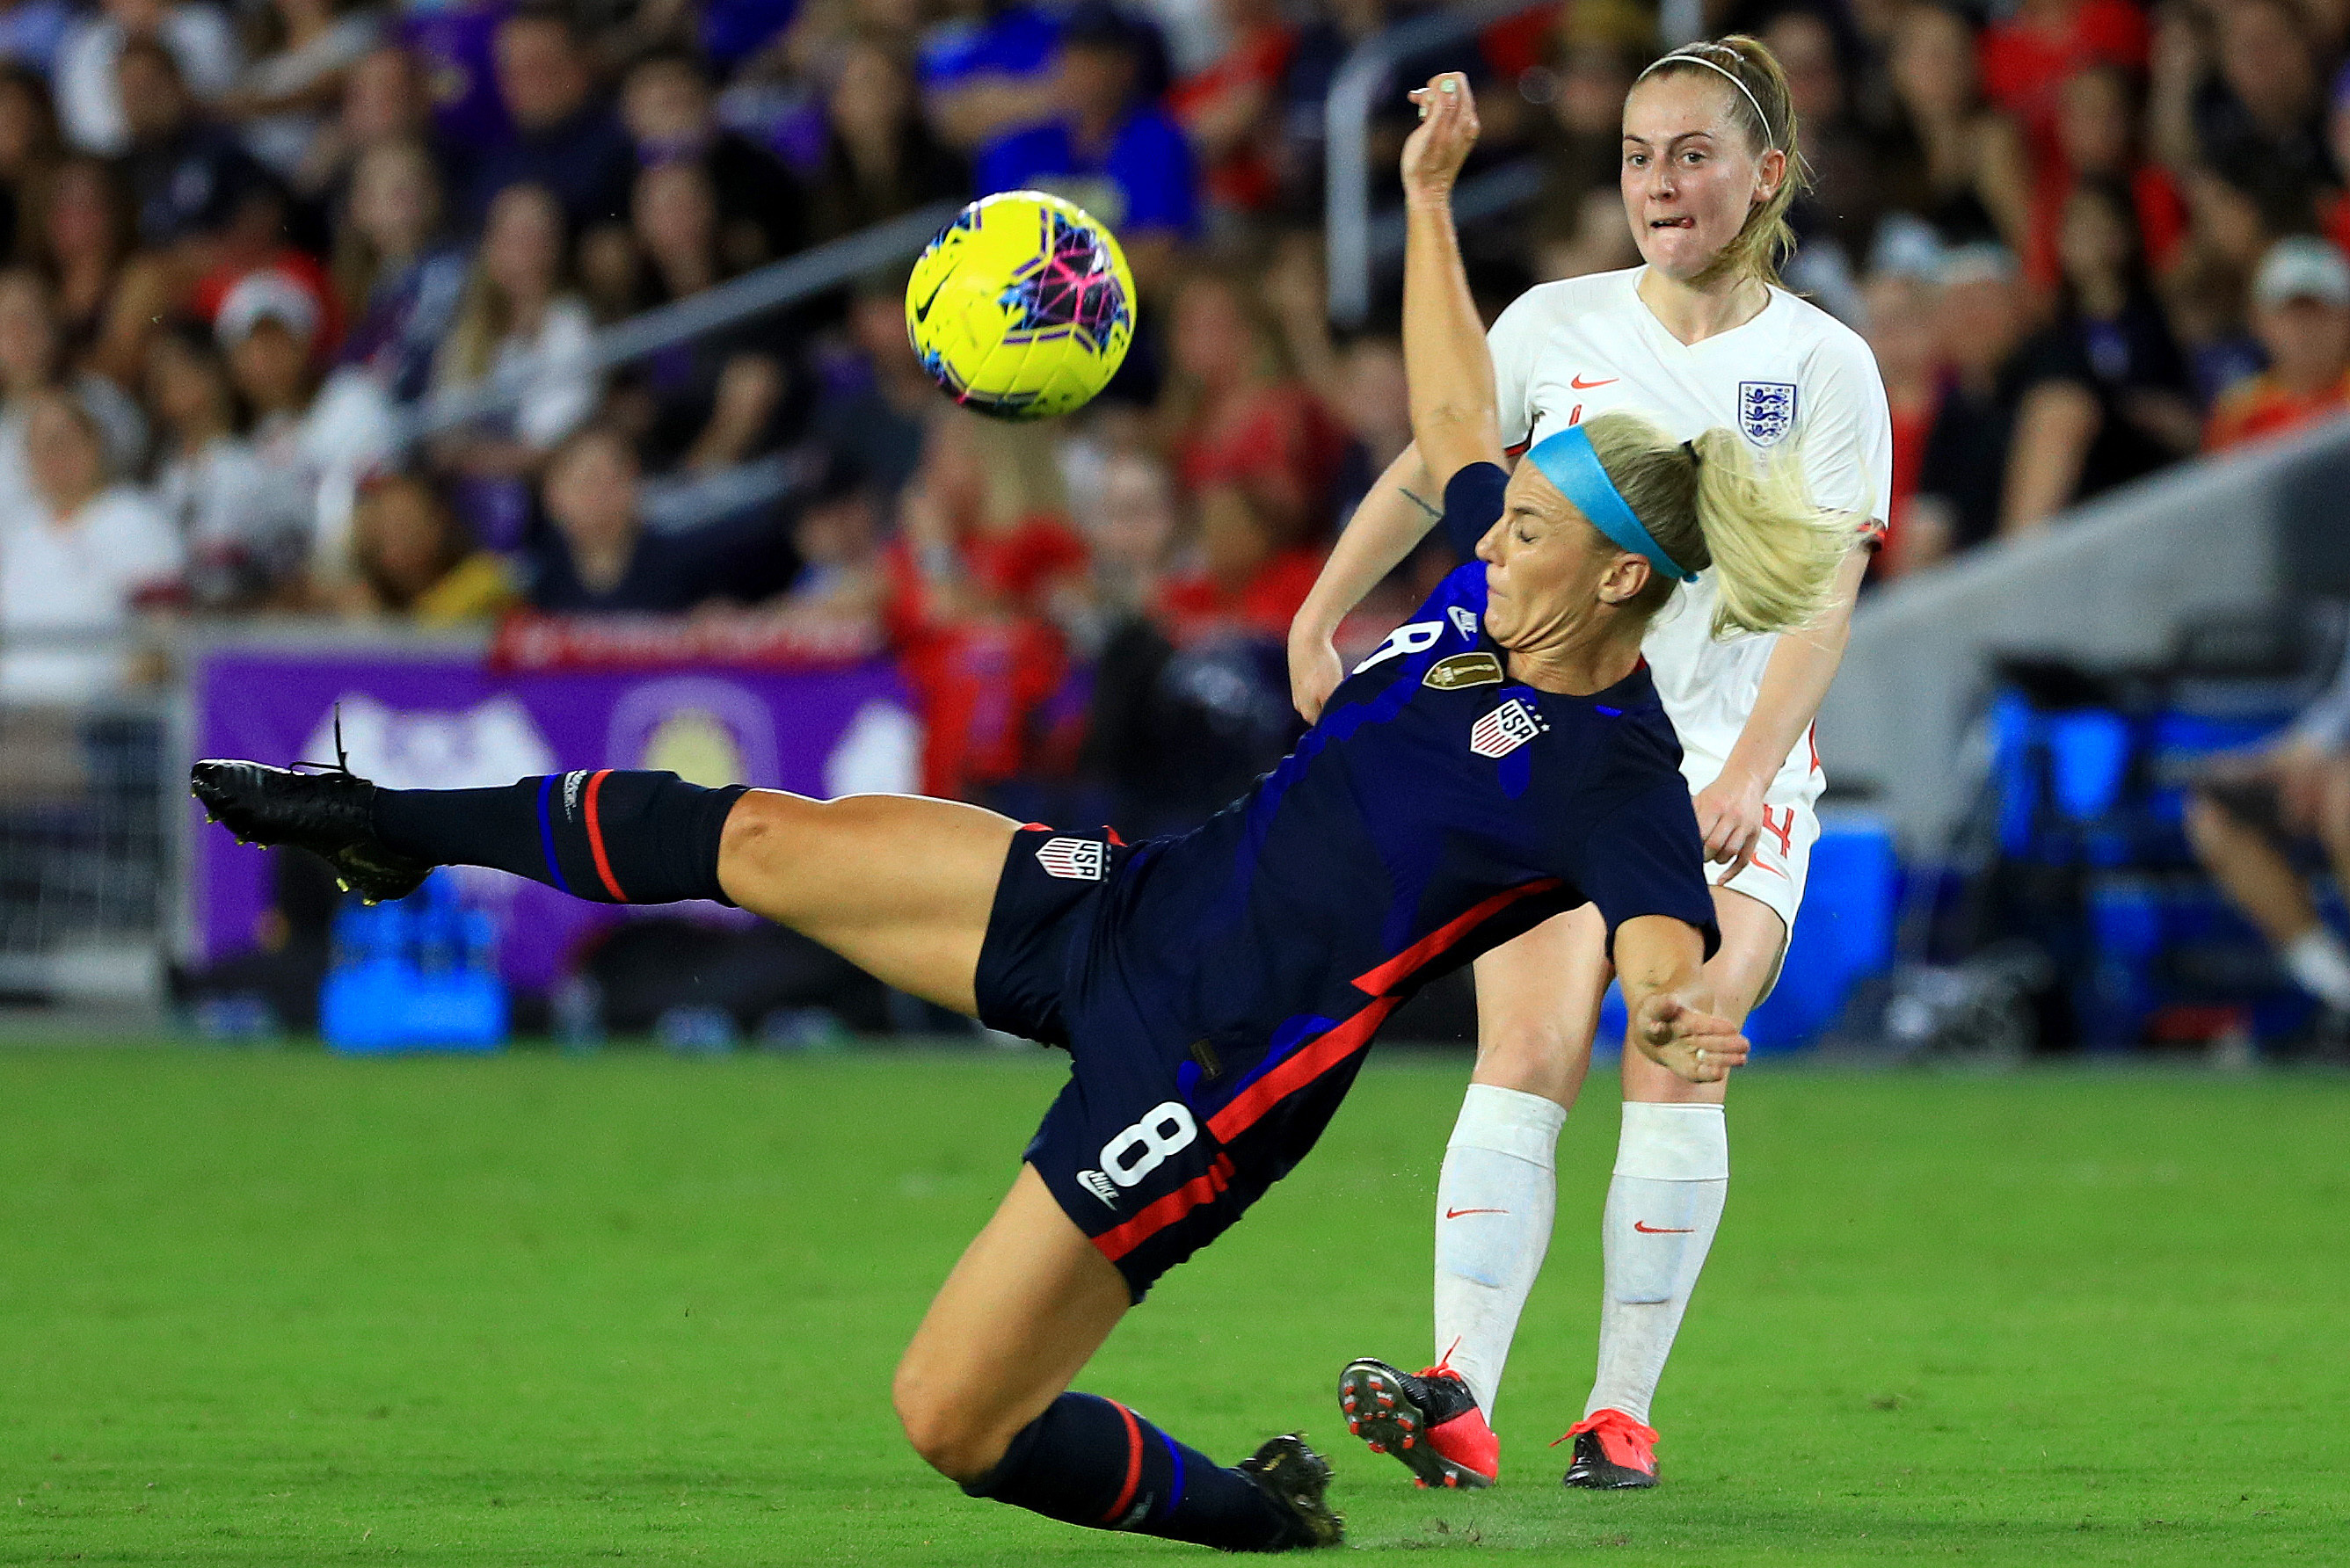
x,y
444,720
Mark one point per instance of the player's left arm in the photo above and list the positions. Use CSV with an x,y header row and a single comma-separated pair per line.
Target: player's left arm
x,y
1795,683
1848,456
1660,963
1447,371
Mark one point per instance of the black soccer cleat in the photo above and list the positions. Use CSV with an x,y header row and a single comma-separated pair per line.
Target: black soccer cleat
x,y
331,815
1430,1420
1613,1452
1296,1479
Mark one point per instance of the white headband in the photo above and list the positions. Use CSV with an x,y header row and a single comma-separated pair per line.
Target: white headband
x,y
1680,58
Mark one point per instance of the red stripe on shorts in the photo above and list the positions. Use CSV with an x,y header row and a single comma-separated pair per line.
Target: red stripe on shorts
x,y
1164,1211
1302,1068
1445,938
1336,1044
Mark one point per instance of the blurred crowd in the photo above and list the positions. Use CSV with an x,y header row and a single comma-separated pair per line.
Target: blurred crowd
x,y
246,242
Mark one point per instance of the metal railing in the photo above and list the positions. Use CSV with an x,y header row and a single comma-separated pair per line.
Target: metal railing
x,y
1356,242
88,837
2111,582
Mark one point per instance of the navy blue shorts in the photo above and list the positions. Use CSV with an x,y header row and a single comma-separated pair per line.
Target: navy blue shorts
x,y
1121,1149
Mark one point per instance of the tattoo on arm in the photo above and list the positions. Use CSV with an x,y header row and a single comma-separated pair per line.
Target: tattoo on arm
x,y
1422,502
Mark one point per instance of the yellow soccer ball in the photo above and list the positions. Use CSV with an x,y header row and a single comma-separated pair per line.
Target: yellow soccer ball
x,y
1023,308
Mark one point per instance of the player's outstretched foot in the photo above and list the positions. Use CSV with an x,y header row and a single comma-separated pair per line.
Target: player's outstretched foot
x,y
1431,1421
1612,1452
1297,1479
330,814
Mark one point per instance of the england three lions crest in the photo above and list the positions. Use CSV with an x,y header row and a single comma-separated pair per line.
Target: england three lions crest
x,y
1766,410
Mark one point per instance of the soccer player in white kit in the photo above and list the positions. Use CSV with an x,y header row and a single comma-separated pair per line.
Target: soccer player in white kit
x,y
1699,336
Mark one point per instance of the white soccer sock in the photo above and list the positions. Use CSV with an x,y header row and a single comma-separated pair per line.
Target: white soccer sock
x,y
2320,964
1672,1172
1495,1204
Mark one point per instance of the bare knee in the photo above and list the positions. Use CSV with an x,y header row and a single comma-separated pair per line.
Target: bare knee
x,y
774,854
762,822
954,1437
1546,1059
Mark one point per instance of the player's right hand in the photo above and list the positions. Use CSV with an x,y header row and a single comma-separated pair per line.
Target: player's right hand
x,y
1440,144
1695,1046
1315,672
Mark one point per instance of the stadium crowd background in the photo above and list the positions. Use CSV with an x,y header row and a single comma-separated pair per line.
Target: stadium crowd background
x,y
2086,240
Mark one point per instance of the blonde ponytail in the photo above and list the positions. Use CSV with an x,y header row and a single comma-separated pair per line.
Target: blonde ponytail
x,y
1711,502
1775,554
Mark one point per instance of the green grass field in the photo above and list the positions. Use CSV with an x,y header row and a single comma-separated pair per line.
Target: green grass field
x,y
278,1308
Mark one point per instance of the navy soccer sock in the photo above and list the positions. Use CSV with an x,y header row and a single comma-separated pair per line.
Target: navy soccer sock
x,y
615,837
1092,1461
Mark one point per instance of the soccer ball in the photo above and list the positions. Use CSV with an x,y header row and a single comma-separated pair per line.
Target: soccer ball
x,y
1023,307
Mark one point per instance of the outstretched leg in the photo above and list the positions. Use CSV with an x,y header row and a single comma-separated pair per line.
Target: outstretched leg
x,y
900,885
982,1395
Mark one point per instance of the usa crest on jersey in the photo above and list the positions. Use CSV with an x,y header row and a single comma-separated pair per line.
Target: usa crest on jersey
x,y
1766,410
1077,859
1505,729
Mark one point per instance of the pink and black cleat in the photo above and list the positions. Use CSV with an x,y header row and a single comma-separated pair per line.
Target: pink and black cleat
x,y
1429,1421
1612,1452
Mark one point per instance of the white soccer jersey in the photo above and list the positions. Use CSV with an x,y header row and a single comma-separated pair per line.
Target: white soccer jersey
x,y
1567,350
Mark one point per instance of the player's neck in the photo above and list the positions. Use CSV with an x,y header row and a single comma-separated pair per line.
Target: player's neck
x,y
1693,312
1586,659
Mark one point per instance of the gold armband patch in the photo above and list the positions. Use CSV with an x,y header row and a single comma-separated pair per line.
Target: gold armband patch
x,y
1463,670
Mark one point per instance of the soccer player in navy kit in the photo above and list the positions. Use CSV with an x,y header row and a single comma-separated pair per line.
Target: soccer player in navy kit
x,y
1500,757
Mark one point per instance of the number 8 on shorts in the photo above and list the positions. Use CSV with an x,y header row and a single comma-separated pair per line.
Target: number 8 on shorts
x,y
1164,1130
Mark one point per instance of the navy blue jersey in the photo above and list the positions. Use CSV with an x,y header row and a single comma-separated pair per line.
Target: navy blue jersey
x,y
1438,809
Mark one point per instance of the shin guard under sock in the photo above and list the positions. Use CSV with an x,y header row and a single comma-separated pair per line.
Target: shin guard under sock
x,y
1092,1461
1664,1204
1495,1199
613,836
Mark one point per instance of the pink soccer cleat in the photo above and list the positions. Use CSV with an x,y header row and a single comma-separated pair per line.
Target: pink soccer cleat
x,y
1429,1421
1612,1452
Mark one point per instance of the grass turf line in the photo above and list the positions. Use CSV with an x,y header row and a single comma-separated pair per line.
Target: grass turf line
x,y
276,1308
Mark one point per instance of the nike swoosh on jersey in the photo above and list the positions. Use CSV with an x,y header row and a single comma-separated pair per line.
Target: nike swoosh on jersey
x,y
1580,384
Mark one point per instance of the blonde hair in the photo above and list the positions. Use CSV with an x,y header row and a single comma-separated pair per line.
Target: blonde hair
x,y
485,313
1756,85
1711,501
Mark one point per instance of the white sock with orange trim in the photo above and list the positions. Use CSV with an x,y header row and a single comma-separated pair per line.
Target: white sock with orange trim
x,y
1495,1204
1673,1174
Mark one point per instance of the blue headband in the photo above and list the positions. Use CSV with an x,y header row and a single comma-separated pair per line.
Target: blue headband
x,y
1567,461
